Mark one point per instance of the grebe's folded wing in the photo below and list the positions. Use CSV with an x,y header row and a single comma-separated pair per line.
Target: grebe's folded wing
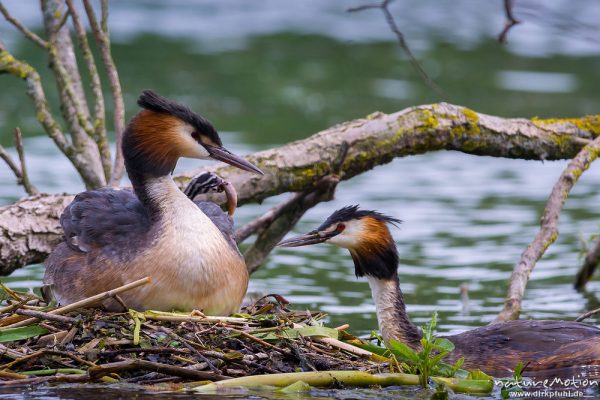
x,y
104,218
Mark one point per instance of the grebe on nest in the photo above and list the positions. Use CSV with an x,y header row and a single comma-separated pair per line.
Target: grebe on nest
x,y
495,349
113,237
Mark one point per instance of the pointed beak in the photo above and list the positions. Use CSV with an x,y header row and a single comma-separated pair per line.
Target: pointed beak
x,y
222,154
313,237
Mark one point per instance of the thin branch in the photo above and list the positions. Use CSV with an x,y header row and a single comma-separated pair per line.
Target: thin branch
x,y
28,34
104,15
10,162
19,171
99,111
103,42
384,7
288,214
586,315
510,20
20,69
591,262
29,188
63,20
548,230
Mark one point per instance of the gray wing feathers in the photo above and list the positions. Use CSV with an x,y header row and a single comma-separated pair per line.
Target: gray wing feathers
x,y
105,218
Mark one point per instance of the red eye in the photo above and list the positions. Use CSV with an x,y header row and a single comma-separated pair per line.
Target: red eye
x,y
340,227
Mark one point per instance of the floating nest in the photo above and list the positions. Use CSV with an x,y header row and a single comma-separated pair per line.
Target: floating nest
x,y
265,345
76,344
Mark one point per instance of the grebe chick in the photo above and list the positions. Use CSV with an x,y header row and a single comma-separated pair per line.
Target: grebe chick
x,y
495,349
113,237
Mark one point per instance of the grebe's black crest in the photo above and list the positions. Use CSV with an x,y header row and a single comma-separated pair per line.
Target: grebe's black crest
x,y
154,102
353,212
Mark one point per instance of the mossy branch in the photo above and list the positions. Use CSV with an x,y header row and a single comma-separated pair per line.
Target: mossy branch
x,y
300,165
102,38
99,126
548,232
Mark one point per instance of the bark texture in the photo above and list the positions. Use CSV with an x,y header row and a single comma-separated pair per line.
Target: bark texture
x,y
300,165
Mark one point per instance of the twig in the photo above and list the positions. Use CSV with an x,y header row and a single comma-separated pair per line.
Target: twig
x,y
24,179
151,350
88,301
261,342
510,20
103,42
384,7
586,315
548,229
11,163
90,62
591,262
74,378
20,172
28,34
105,369
45,315
173,335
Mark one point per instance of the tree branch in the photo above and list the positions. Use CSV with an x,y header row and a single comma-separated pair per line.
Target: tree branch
x,y
287,215
548,232
510,20
99,123
384,7
103,41
299,166
24,177
591,262
22,70
75,111
28,34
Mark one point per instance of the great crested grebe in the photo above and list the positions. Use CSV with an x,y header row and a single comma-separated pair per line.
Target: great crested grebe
x,y
113,237
543,345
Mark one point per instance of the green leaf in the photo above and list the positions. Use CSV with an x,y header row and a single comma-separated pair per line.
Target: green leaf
x,y
435,360
443,344
25,332
518,370
296,387
478,375
403,351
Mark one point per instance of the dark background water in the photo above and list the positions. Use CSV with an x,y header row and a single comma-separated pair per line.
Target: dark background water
x,y
269,72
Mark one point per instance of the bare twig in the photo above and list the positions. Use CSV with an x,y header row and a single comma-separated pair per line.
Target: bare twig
x,y
103,41
591,262
105,369
384,7
28,34
45,315
586,315
510,20
99,122
548,230
10,162
19,171
90,301
24,179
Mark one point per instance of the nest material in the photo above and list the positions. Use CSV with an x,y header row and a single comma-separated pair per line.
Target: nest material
x,y
90,345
